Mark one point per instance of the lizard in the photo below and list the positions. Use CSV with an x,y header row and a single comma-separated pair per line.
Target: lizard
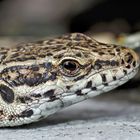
x,y
39,78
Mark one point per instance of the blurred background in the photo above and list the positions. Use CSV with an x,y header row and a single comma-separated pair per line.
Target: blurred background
x,y
51,17
110,21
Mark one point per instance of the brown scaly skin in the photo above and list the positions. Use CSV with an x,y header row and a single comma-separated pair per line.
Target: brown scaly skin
x,y
38,79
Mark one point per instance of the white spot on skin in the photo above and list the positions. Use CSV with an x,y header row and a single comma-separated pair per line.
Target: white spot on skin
x,y
108,88
35,117
79,85
133,73
37,111
109,77
48,108
72,99
113,83
100,87
119,74
97,79
93,93
86,90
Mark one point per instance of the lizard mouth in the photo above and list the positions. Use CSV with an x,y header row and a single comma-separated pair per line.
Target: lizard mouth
x,y
94,87
85,93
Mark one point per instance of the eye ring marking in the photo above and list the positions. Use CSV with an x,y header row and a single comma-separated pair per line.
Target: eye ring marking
x,y
7,94
69,67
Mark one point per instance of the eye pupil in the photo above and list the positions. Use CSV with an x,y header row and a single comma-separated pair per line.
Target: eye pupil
x,y
69,68
69,65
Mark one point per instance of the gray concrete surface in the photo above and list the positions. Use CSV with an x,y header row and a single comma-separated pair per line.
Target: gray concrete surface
x,y
110,117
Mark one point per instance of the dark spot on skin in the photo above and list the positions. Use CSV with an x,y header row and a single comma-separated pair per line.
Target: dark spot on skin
x,y
101,53
10,117
36,95
24,99
7,94
89,84
80,77
118,50
134,63
68,87
105,84
53,98
42,55
112,54
49,54
33,81
114,63
102,62
129,58
26,58
26,113
13,69
9,77
78,55
103,44
14,83
1,112
49,93
20,79
125,72
14,55
48,65
122,62
69,44
97,66
128,66
35,68
93,88
114,78
78,92
94,50
103,77
53,76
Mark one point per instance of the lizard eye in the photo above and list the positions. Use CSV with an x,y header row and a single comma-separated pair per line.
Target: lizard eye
x,y
69,67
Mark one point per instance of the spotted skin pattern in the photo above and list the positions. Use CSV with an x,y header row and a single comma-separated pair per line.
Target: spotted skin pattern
x,y
37,79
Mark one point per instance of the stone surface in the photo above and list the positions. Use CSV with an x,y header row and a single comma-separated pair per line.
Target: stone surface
x,y
107,117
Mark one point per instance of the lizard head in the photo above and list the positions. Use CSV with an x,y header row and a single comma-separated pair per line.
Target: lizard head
x,y
88,66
